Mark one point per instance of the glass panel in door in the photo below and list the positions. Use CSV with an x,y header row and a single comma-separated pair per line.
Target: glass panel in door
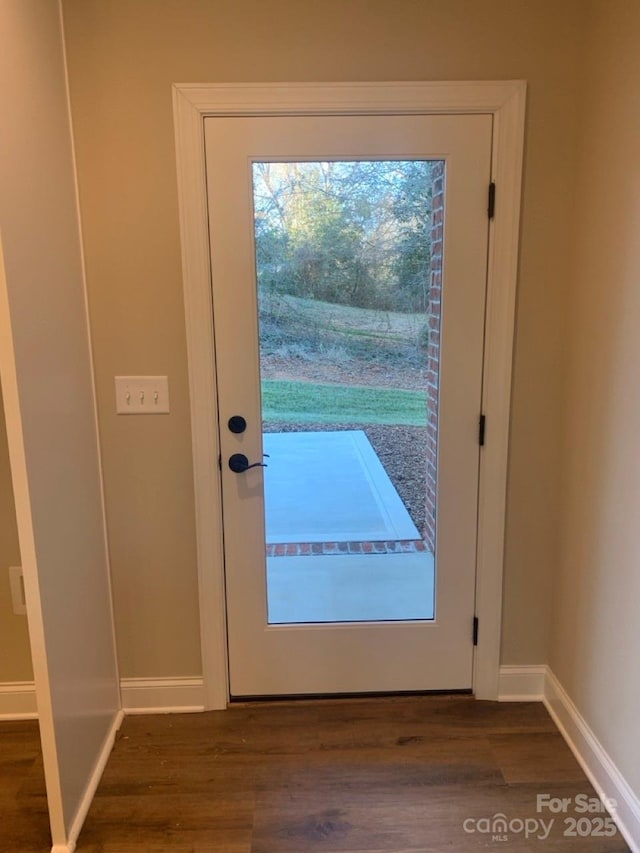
x,y
348,257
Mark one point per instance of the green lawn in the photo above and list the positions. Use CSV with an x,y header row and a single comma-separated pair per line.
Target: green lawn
x,y
308,402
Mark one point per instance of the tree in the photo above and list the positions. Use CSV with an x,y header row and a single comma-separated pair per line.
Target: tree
x,y
352,232
412,207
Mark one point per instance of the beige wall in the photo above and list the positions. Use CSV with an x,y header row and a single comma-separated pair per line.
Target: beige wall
x,y
45,364
15,655
595,642
123,57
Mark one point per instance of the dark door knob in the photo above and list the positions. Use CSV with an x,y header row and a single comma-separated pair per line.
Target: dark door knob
x,y
237,424
239,463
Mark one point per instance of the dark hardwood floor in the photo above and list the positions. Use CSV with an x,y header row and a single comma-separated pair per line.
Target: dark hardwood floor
x,y
24,820
397,775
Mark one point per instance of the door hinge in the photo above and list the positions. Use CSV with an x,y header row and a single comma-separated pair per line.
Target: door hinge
x,y
481,429
475,630
491,205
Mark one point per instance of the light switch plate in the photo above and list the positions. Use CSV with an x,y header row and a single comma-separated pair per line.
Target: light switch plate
x,y
142,395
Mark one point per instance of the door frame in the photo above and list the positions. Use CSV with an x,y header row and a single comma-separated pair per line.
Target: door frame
x,y
192,103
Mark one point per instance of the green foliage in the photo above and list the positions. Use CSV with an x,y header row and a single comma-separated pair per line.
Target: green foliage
x,y
412,261
351,233
308,402
424,336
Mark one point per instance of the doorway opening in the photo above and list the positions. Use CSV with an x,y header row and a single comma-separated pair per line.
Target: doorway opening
x,y
233,126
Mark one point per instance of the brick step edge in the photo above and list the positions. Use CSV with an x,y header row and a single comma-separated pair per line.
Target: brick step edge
x,y
310,549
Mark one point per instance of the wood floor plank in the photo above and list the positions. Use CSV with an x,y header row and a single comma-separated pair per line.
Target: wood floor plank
x,y
431,819
535,757
175,821
24,819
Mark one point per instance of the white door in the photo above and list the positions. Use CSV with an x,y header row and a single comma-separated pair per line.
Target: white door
x,y
370,359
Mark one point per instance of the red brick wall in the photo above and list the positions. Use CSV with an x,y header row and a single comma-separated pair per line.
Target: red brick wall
x,y
433,350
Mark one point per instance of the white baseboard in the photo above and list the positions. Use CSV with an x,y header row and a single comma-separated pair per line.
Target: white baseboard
x,y
538,683
603,774
162,695
18,701
139,696
92,786
521,683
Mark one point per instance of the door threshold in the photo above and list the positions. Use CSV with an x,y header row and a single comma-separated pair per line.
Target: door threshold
x,y
339,697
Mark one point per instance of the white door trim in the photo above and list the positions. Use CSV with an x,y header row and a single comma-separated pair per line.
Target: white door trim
x,y
505,100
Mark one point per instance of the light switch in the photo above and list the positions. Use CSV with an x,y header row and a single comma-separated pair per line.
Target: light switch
x,y
142,395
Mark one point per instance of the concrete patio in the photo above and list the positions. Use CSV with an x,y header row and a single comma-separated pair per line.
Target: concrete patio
x,y
326,489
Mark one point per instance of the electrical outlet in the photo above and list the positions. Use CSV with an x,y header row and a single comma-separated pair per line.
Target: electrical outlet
x,y
16,582
142,395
